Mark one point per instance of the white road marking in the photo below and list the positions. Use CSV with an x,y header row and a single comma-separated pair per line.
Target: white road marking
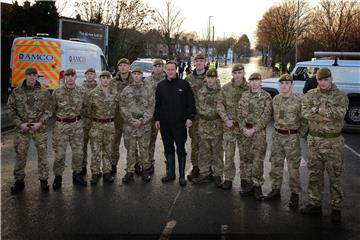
x,y
166,233
352,150
224,229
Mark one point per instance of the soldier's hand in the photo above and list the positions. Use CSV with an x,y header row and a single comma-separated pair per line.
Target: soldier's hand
x,y
188,123
24,127
36,126
136,123
229,123
157,124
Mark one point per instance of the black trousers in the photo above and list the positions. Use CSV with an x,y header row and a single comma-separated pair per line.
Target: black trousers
x,y
171,133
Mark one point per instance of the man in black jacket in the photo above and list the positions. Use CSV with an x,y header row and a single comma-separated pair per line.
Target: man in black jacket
x,y
311,83
174,111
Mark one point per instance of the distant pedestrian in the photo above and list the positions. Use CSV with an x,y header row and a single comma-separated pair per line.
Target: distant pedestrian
x,y
311,83
181,68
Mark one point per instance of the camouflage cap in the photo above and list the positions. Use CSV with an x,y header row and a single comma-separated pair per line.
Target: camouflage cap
x,y
255,76
105,74
123,60
31,70
211,72
70,71
171,62
199,56
323,73
137,69
90,70
158,61
285,77
237,67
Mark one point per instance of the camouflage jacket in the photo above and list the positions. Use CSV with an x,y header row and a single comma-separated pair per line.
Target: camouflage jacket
x,y
31,105
89,85
196,82
101,105
137,102
210,123
254,108
287,111
69,102
154,79
229,98
119,84
333,105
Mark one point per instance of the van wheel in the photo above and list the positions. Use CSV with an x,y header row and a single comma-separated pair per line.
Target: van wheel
x,y
353,114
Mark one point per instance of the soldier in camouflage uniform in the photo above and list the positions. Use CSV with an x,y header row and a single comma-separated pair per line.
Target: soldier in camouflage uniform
x,y
325,107
227,108
254,113
30,107
196,80
157,75
137,104
119,82
286,140
89,84
68,109
210,130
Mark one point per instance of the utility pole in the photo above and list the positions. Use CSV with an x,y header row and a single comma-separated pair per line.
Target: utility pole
x,y
296,32
208,43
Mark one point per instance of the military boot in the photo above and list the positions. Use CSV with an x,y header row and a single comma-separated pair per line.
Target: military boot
x,y
202,179
217,181
258,193
44,185
19,185
170,163
336,216
145,175
311,209
151,170
195,173
57,182
294,200
273,195
95,178
129,177
78,179
182,163
108,178
84,171
247,188
113,170
138,169
227,185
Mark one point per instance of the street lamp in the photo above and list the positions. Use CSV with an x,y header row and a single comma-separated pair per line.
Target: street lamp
x,y
208,43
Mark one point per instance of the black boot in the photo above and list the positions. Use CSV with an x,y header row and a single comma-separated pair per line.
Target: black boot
x,y
247,188
57,182
129,177
151,169
227,185
311,209
83,171
195,173
218,181
336,216
108,178
273,195
113,170
170,171
294,200
138,169
145,175
19,185
258,193
44,185
95,178
78,179
182,162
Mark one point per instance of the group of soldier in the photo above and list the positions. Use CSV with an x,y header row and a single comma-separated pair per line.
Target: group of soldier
x,y
236,113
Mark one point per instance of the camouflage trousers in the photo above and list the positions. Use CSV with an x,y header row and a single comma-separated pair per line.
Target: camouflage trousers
x,y
285,146
101,140
325,154
211,156
64,134
252,154
153,137
21,144
117,139
135,145
86,130
230,138
195,140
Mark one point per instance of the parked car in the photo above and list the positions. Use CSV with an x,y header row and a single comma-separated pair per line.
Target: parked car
x,y
346,74
145,64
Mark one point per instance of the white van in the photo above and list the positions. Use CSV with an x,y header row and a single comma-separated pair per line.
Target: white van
x,y
51,57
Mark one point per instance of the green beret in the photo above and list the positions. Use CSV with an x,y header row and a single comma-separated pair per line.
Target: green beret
x,y
199,56
158,61
285,77
323,73
123,60
90,70
31,70
105,74
255,76
211,72
137,69
70,71
237,67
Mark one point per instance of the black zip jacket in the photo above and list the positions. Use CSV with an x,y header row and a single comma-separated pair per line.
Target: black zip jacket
x,y
174,102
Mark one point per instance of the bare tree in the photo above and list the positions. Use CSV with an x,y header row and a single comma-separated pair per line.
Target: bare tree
x,y
169,24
